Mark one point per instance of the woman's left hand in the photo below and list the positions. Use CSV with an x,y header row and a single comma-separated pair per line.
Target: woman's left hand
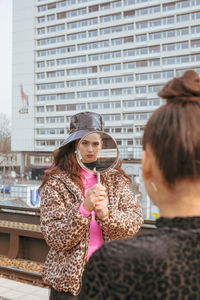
x,y
101,208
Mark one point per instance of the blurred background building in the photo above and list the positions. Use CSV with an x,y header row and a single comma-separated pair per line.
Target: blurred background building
x,y
110,57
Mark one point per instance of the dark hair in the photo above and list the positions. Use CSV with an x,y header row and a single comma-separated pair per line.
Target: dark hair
x,y
173,130
64,160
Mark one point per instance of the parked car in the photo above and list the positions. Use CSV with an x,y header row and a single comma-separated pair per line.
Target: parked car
x,y
6,189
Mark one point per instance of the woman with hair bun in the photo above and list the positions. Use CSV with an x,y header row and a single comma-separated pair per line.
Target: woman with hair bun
x,y
164,263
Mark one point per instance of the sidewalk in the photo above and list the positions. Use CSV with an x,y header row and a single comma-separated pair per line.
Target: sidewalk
x,y
13,290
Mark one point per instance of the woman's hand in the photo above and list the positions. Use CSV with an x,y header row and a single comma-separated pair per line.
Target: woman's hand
x,y
95,195
101,208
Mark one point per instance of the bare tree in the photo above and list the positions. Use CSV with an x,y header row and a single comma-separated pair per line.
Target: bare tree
x,y
5,134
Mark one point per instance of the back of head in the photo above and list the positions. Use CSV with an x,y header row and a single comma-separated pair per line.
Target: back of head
x,y
173,130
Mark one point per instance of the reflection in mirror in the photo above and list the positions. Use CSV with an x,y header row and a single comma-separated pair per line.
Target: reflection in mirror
x,y
97,152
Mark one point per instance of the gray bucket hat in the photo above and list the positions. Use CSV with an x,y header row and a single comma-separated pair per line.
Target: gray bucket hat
x,y
83,123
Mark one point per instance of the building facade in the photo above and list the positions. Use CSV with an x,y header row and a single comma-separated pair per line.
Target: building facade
x,y
110,57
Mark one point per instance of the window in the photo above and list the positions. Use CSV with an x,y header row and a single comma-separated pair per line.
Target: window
x,y
93,33
55,119
141,63
108,68
50,63
50,108
141,90
41,64
195,29
56,28
154,49
76,12
41,30
93,8
62,107
195,43
58,39
110,18
141,38
78,24
154,88
51,17
41,75
40,120
41,19
61,15
128,39
75,83
40,109
129,14
92,81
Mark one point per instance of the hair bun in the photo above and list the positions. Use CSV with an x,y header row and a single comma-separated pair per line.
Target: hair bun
x,y
184,88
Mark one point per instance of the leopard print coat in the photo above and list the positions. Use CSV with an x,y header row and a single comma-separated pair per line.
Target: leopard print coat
x,y
66,231
160,265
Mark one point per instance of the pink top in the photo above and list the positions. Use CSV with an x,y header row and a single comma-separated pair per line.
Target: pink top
x,y
96,239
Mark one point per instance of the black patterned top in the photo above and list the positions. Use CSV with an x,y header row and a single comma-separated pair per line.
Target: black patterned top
x,y
162,264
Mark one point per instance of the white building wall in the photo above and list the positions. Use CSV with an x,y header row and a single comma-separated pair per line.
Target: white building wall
x,y
165,42
23,74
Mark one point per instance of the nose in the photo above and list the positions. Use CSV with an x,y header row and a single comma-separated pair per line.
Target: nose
x,y
90,148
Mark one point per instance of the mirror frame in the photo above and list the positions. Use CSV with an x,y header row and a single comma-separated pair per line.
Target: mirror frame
x,y
81,164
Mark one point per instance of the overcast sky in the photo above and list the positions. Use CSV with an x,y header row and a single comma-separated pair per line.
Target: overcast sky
x,y
6,56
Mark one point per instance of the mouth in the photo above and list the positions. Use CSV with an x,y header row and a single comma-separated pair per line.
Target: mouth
x,y
89,156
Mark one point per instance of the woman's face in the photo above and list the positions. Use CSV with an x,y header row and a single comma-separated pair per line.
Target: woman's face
x,y
89,147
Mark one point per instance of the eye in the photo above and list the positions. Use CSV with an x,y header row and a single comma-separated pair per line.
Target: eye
x,y
84,142
96,144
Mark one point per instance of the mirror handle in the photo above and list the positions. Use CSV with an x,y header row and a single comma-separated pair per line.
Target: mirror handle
x,y
98,178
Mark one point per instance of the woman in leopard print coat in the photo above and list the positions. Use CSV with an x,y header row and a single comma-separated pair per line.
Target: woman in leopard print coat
x,y
67,231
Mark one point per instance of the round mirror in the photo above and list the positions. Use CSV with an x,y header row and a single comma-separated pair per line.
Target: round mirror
x,y
97,151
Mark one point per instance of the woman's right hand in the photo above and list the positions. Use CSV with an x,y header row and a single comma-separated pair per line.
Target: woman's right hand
x,y
96,193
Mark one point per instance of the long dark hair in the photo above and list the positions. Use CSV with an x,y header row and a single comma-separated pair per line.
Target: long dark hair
x,y
64,160
173,130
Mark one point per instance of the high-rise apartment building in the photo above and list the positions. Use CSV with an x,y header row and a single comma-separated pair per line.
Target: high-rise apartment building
x,y
110,57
